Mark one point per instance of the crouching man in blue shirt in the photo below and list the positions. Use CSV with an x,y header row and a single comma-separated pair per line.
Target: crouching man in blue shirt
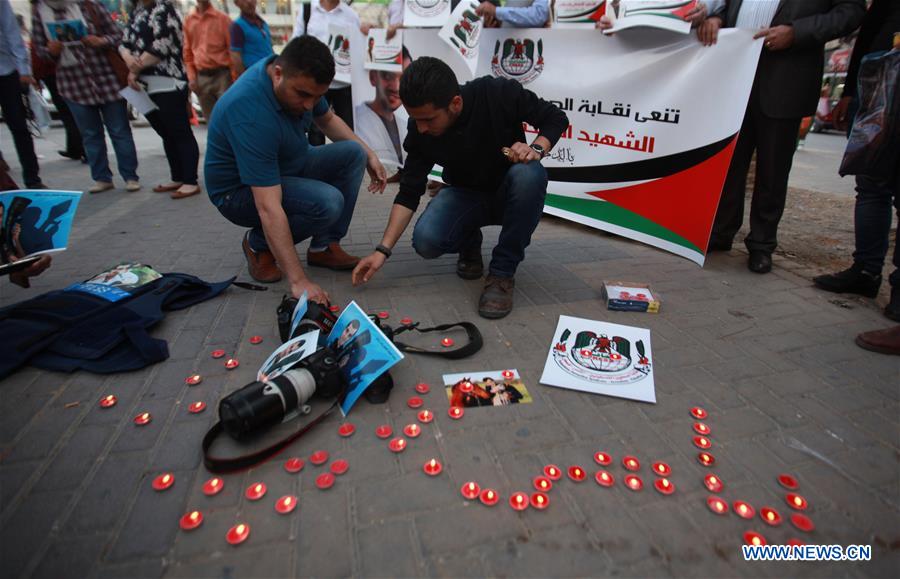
x,y
261,172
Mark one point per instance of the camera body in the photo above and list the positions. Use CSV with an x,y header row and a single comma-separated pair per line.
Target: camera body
x,y
317,317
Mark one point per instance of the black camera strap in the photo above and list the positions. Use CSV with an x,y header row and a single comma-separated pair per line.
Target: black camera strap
x,y
475,340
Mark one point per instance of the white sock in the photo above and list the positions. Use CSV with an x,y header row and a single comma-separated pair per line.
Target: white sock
x,y
317,249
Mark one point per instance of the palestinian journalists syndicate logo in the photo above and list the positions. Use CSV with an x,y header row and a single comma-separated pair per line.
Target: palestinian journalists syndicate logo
x,y
601,359
521,60
467,31
426,8
340,49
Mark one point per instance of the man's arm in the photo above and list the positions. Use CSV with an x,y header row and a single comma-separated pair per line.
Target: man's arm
x,y
188,55
534,16
337,130
237,49
10,29
548,119
843,17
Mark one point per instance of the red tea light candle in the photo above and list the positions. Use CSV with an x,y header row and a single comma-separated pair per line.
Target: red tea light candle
x,y
702,442
286,504
319,457
770,516
213,486
796,502
702,429
397,444
143,418
293,465
432,467
193,379
163,481
662,469
788,482
406,321
604,479
518,501
334,309
542,484
383,315
191,521
743,510
576,473
414,402
108,401
456,412
216,354
634,482
664,486
255,491
508,374
256,340
197,407
238,534
540,501
552,472
426,416
802,522
422,388
339,466
717,505
346,429
699,413
713,483
412,430
706,459
466,387
602,458
447,342
231,363
754,538
470,490
631,463
325,481
384,431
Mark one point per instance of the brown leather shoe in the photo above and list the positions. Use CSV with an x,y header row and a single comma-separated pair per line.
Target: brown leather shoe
x,y
334,257
881,341
497,297
182,193
260,264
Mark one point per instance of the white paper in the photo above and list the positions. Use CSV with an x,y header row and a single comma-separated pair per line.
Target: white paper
x,y
578,13
139,99
154,83
425,13
339,42
601,358
463,32
384,54
663,14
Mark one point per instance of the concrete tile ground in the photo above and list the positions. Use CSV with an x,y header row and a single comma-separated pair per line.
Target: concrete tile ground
x,y
772,360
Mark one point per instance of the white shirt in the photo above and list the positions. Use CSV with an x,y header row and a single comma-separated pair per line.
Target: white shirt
x,y
369,127
755,14
320,18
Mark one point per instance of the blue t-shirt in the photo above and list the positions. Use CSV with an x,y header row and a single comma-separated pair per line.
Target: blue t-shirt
x,y
252,41
251,140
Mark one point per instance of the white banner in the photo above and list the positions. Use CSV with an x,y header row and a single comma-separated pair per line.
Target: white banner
x,y
425,13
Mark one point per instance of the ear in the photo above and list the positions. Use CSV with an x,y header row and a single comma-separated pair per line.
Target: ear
x,y
456,104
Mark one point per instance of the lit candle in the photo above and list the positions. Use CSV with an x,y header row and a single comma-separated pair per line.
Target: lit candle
x,y
108,401
216,354
255,491
518,501
406,321
213,486
552,472
802,522
346,429
754,538
397,444
508,374
743,510
286,504
293,465
634,482
425,416
414,402
191,521
384,431
238,534
661,469
231,363
542,484
631,463
664,486
447,342
319,457
706,459
702,442
540,501
576,473
256,340
602,458
412,430
713,483
383,315
466,387
422,388
796,502
339,466
143,418
163,481
489,497
193,379
604,479
699,413
456,412
717,505
325,481
701,428
470,490
788,482
432,467
197,407
770,516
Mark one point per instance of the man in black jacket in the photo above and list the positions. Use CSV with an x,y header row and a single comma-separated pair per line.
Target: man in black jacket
x,y
475,133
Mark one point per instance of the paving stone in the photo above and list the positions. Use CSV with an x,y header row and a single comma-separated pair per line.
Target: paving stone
x,y
26,527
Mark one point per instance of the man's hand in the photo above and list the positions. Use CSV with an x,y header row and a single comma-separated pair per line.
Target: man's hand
x,y
94,41
605,23
521,153
20,278
27,80
489,13
364,28
313,291
777,38
376,173
839,117
367,267
55,48
708,31
392,31
697,15
133,81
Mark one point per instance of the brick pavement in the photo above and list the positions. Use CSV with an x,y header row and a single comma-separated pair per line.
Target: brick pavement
x,y
770,358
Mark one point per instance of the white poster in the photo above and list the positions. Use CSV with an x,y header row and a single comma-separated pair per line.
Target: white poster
x,y
384,54
339,41
463,32
664,14
601,358
425,13
578,13
288,355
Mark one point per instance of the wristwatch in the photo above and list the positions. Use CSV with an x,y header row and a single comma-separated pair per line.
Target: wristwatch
x,y
384,250
539,150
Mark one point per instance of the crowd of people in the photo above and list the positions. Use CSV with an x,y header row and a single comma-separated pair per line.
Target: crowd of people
x,y
268,169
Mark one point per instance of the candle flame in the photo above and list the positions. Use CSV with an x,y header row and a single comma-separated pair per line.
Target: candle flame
x,y
577,472
720,506
630,463
519,498
240,529
743,508
755,540
287,501
471,487
797,501
770,515
195,515
490,494
604,476
258,488
540,500
215,482
432,463
145,416
166,478
713,480
552,470
543,484
665,482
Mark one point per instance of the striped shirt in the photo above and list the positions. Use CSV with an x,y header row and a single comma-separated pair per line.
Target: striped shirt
x,y
755,14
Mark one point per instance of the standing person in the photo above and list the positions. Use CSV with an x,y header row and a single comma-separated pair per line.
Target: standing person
x,y
88,82
152,51
786,89
251,40
207,59
15,78
44,70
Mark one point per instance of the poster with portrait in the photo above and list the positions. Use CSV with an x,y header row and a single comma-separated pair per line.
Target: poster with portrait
x,y
425,13
384,54
339,43
288,355
67,31
486,388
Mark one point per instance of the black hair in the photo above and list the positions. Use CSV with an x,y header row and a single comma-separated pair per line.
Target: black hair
x,y
428,81
307,55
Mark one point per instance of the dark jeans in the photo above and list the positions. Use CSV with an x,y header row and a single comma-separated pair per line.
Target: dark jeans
x,y
341,100
74,146
14,117
172,123
453,219
318,202
872,216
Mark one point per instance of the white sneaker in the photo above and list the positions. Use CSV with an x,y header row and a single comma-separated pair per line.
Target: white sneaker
x,y
132,186
101,186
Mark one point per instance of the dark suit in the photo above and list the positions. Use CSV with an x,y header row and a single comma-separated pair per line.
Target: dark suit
x,y
785,90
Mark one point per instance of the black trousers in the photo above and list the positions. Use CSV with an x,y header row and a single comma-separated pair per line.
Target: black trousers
x,y
14,117
341,100
774,141
172,123
74,146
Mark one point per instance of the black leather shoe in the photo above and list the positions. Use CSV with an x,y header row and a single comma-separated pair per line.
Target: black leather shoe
x,y
892,310
760,262
854,280
470,265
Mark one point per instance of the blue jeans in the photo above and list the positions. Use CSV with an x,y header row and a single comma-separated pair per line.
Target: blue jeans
x,y
90,120
453,220
318,202
872,216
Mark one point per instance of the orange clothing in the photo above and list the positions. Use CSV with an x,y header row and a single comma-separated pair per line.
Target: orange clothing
x,y
206,41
